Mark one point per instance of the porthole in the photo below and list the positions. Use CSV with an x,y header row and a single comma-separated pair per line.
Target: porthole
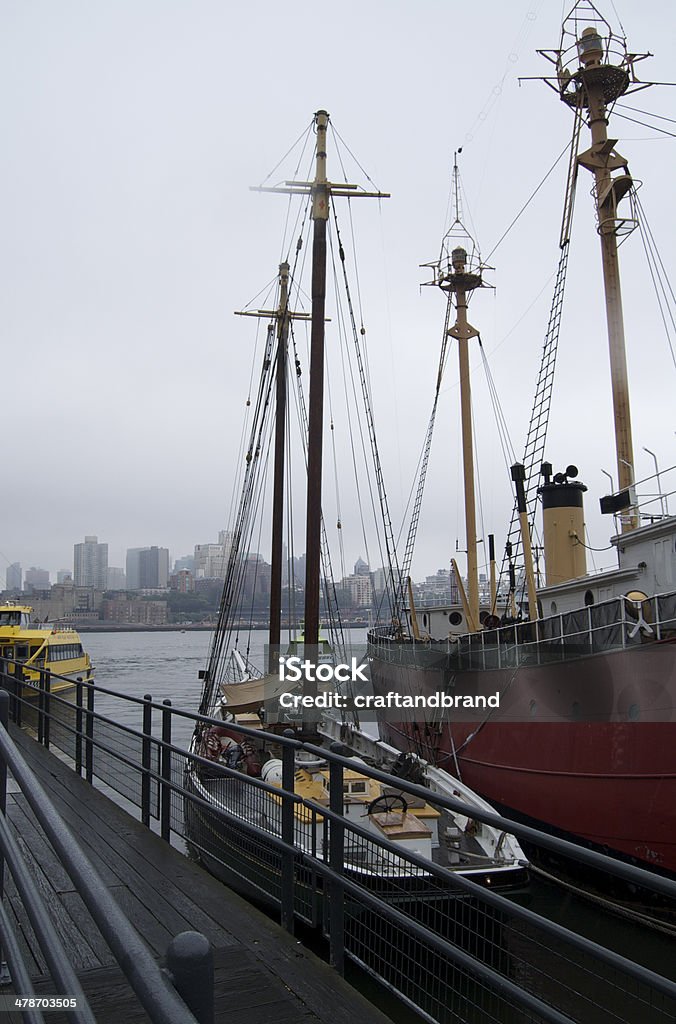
x,y
455,618
588,598
425,621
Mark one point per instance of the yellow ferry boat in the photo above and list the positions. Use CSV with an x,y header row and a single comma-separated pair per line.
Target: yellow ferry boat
x,y
40,646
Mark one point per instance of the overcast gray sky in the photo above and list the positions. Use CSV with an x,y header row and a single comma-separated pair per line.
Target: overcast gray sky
x,y
131,133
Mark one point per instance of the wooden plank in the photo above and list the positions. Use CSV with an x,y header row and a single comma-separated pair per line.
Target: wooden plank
x,y
75,906
32,957
24,823
78,951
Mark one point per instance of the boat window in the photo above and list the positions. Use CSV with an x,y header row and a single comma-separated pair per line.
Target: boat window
x,y
553,607
588,598
8,652
22,650
10,618
357,787
455,618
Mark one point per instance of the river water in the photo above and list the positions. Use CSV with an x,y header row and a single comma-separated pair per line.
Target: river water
x,y
166,665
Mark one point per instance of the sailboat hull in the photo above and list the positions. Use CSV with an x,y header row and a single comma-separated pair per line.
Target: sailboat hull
x,y
584,747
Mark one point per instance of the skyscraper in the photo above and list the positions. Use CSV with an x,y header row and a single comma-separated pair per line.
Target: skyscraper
x,y
154,568
134,568
91,564
37,579
14,577
116,579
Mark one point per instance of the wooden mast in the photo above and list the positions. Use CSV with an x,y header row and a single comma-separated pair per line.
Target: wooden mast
x,y
276,567
320,190
320,214
283,316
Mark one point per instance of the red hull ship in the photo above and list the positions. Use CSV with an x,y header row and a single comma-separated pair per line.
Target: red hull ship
x,y
581,735
609,782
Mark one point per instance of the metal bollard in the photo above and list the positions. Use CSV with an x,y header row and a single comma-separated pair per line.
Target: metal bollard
x,y
190,963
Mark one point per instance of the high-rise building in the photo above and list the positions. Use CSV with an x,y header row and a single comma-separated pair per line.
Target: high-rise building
x,y
91,564
154,568
116,579
361,568
133,568
211,560
37,579
14,577
187,562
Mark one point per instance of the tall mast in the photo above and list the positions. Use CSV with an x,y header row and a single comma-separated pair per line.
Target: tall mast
x,y
320,214
458,273
283,317
463,331
276,568
593,71
321,189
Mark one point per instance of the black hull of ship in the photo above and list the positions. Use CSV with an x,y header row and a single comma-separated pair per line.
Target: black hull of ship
x,y
583,747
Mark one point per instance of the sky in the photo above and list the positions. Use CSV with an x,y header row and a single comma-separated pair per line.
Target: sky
x,y
131,134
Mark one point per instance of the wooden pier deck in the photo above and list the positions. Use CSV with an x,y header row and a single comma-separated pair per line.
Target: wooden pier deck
x,y
262,973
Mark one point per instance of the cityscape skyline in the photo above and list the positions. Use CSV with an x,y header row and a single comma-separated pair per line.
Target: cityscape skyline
x,y
148,570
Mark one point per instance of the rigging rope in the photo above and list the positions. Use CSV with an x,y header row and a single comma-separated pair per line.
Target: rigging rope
x,y
395,581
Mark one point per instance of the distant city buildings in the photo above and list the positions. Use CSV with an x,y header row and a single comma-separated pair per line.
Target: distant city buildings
x,y
91,564
134,568
125,608
183,581
137,593
14,578
116,579
186,562
211,560
36,579
153,568
359,586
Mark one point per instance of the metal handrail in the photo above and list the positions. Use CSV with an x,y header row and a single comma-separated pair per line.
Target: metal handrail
x,y
152,987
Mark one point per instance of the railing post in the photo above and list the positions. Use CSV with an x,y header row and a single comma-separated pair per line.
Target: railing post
x,y
47,708
4,724
145,759
41,704
4,683
288,858
78,725
18,688
190,963
165,795
336,863
89,735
